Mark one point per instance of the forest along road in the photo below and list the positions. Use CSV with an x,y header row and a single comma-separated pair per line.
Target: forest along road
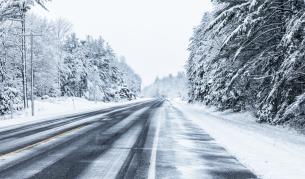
x,y
150,139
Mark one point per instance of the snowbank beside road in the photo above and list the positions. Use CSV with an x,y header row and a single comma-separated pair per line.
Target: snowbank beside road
x,y
50,108
270,151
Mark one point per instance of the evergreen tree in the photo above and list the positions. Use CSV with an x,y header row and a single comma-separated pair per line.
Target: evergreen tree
x,y
245,56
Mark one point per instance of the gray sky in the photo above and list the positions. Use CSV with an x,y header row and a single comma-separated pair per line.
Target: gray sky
x,y
152,34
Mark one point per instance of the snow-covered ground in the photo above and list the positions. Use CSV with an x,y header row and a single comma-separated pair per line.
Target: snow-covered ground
x,y
270,151
53,107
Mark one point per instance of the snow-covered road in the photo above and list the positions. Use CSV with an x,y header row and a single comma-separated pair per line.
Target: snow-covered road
x,y
148,139
186,151
272,152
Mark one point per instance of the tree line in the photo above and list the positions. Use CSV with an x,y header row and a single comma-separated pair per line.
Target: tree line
x,y
249,55
172,86
64,65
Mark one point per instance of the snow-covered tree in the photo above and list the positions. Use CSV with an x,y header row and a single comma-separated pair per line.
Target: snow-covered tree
x,y
13,9
73,81
131,80
10,51
63,65
246,55
91,69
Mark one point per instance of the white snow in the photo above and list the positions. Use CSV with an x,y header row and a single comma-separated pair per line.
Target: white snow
x,y
272,152
57,107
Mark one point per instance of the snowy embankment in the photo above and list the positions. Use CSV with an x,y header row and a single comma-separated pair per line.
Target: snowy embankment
x,y
272,152
56,107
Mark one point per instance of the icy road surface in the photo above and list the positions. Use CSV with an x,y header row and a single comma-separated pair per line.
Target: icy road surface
x,y
149,139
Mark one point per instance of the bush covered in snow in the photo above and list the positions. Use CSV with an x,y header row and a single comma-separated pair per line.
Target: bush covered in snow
x,y
10,99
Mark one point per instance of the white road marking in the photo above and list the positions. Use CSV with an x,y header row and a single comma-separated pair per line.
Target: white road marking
x,y
153,157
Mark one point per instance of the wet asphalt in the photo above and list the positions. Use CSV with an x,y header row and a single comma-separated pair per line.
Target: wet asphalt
x,y
149,139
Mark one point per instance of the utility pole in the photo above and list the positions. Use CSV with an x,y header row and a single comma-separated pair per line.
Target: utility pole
x,y
24,62
32,72
22,18
25,99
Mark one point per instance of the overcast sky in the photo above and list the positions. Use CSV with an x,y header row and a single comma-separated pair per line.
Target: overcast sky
x,y
152,34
